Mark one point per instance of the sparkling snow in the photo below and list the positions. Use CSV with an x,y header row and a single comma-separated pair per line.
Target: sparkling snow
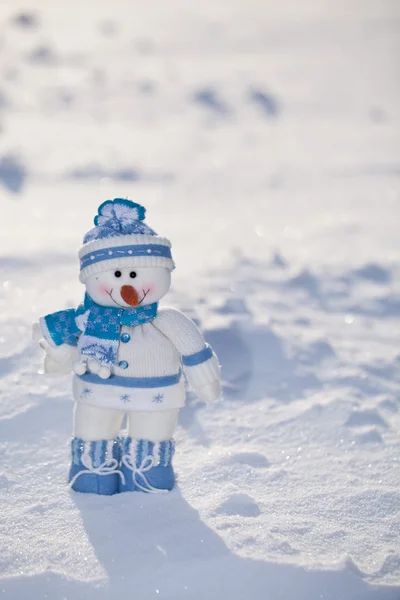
x,y
263,138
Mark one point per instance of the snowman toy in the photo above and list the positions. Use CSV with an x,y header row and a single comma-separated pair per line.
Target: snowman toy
x,y
128,357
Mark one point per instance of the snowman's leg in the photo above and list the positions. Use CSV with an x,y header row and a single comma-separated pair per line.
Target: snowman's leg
x,y
96,450
154,426
148,451
93,423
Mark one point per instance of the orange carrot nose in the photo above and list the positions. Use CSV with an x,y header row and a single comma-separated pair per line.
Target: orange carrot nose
x,y
129,295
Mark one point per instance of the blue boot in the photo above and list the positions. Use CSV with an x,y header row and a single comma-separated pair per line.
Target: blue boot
x,y
94,468
146,466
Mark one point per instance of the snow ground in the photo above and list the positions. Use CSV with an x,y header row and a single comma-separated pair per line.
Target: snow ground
x,y
263,138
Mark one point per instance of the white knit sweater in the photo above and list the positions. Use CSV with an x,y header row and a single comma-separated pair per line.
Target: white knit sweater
x,y
151,351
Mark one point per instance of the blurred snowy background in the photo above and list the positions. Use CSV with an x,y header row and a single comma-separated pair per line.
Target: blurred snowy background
x,y
264,139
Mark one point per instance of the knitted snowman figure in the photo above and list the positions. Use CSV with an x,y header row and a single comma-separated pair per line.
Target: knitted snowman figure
x,y
127,355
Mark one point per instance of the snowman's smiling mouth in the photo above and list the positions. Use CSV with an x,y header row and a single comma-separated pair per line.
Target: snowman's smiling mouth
x,y
120,305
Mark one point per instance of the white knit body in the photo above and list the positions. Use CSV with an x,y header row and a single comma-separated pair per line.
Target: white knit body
x,y
154,350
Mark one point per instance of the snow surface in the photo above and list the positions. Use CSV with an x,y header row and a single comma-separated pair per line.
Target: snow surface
x,y
263,137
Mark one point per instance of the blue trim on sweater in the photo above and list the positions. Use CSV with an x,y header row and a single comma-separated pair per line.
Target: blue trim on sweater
x,y
190,360
133,382
121,251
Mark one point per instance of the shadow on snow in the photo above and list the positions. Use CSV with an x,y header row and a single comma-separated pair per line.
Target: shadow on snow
x,y
178,556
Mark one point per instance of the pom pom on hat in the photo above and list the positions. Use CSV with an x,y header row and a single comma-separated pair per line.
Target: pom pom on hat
x,y
118,213
118,217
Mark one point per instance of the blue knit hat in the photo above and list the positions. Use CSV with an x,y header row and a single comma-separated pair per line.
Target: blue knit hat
x,y
121,239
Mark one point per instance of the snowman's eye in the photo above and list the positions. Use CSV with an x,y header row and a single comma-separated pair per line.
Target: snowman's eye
x,y
132,274
117,273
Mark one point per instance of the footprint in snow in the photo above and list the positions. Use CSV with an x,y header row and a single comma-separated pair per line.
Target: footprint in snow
x,y
233,306
371,436
265,102
26,20
374,272
239,504
12,173
235,355
42,55
209,99
360,418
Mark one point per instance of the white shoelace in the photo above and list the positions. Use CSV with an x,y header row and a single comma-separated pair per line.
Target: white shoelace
x,y
108,467
147,463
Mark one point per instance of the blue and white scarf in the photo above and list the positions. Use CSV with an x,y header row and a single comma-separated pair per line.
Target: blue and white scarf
x,y
100,326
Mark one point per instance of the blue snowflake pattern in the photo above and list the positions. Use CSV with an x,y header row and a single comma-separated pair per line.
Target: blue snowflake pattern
x,y
158,398
103,354
86,392
125,398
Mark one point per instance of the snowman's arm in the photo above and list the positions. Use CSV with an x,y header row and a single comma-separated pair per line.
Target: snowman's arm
x,y
199,361
60,328
58,335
